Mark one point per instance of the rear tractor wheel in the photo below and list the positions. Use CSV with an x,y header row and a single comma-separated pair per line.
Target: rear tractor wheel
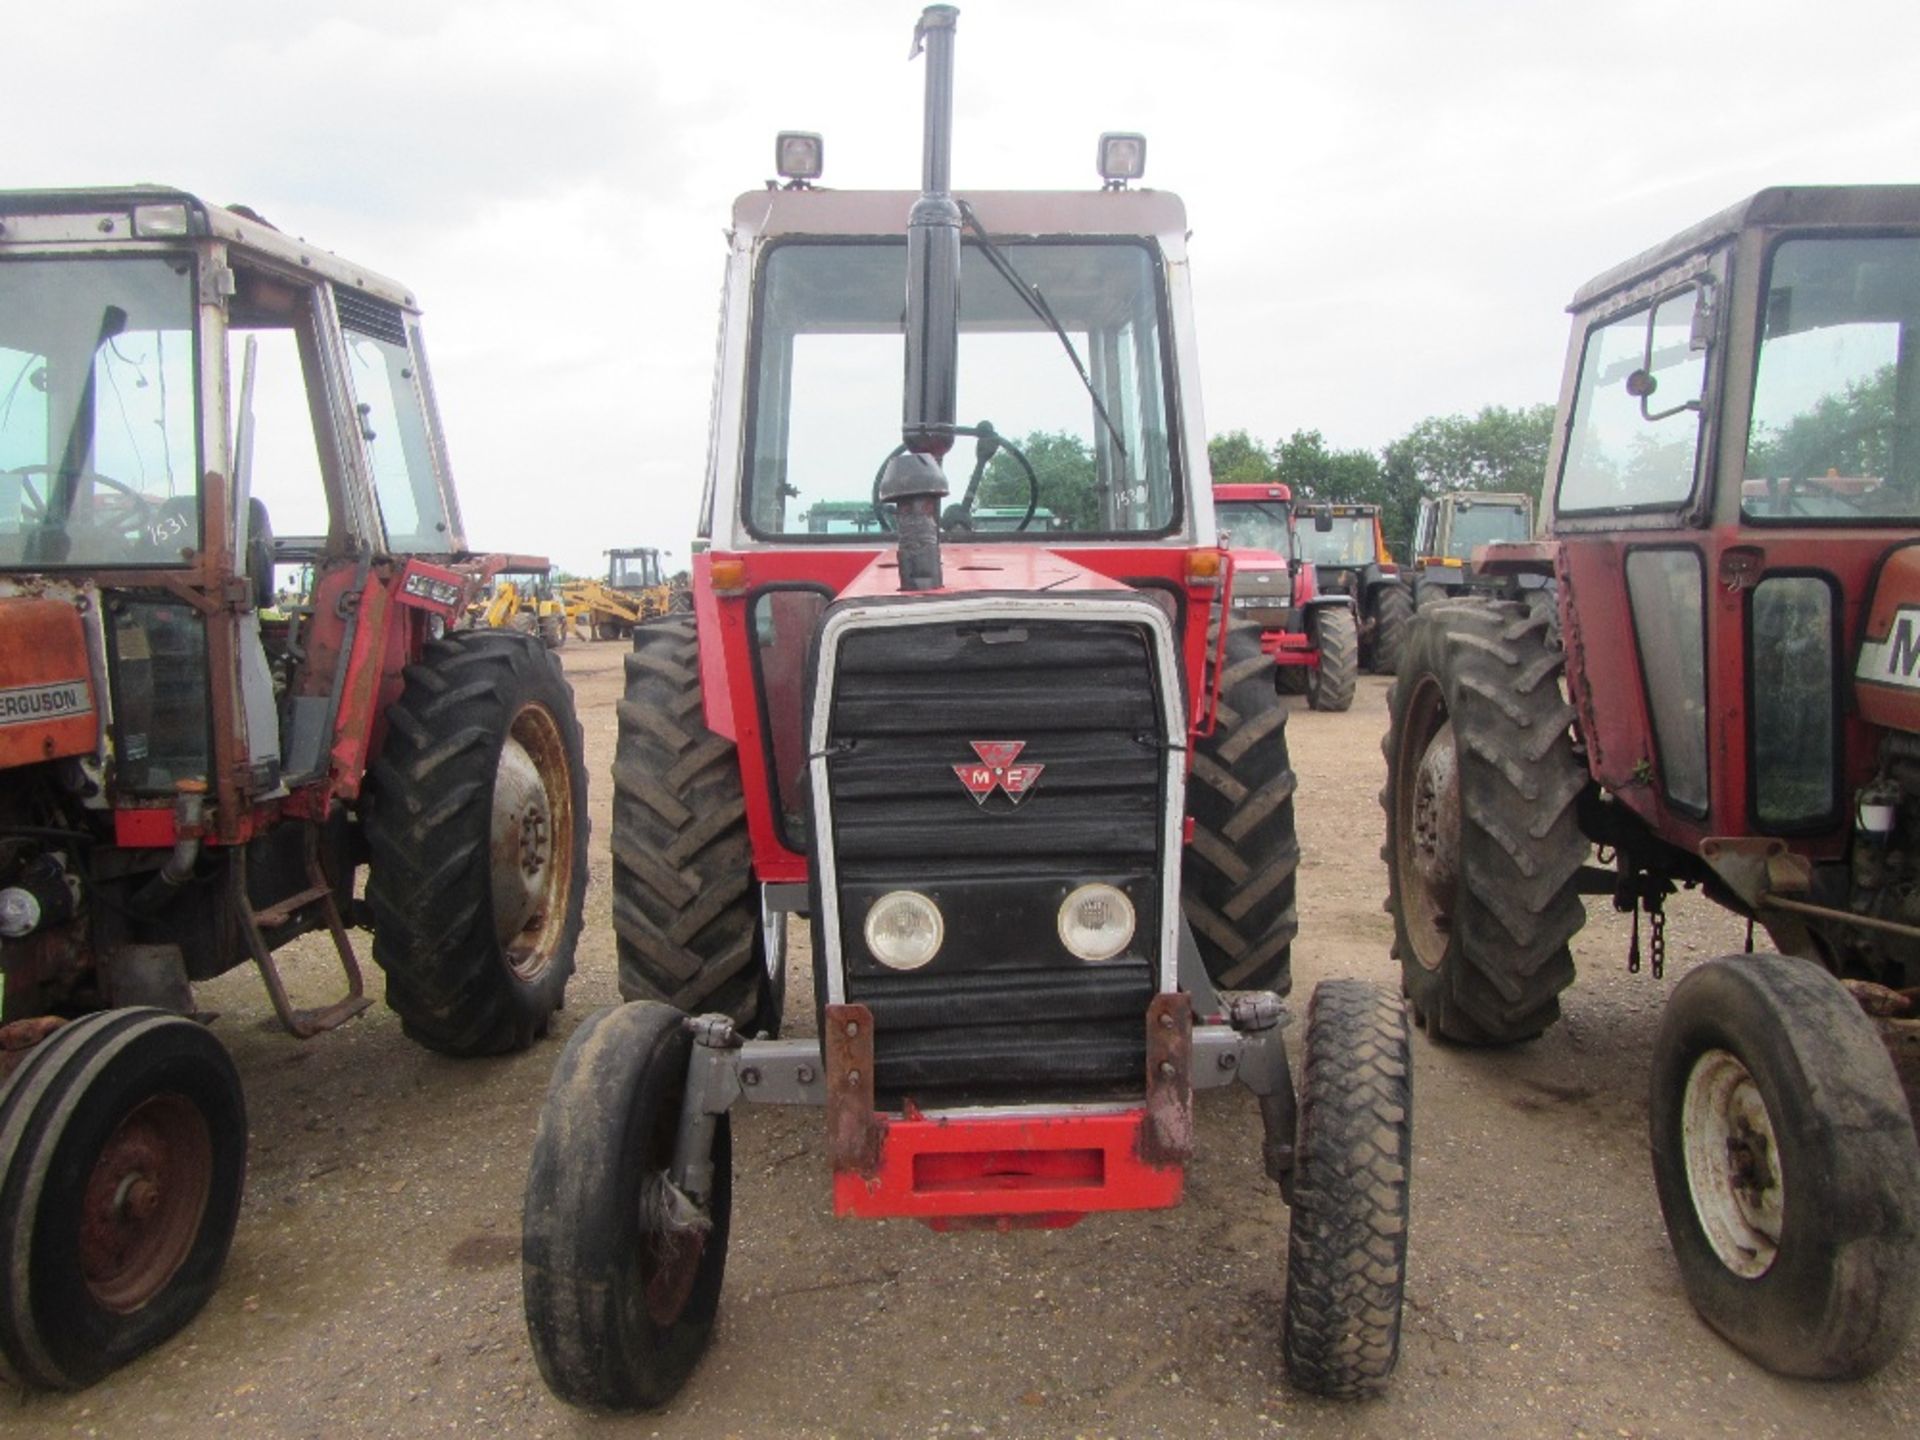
x,y
1483,842
477,823
1238,876
687,918
124,1141
621,1270
1336,640
1392,613
1347,1237
1788,1173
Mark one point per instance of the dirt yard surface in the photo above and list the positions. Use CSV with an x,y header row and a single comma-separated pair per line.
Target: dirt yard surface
x,y
374,1287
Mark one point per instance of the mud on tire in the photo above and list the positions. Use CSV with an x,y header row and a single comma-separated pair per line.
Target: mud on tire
x,y
477,823
1483,842
1238,876
686,913
1347,1238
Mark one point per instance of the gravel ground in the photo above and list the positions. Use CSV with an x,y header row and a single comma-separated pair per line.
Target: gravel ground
x,y
374,1284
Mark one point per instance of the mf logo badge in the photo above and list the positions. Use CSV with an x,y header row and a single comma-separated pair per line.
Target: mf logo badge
x,y
1896,659
996,771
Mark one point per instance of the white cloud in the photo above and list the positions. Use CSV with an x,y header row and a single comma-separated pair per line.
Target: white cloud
x,y
1392,202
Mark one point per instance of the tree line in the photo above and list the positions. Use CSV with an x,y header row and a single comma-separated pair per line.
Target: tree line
x,y
1497,449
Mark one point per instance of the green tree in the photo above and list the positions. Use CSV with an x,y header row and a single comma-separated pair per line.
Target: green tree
x,y
1498,449
1064,469
1846,434
1303,462
1237,458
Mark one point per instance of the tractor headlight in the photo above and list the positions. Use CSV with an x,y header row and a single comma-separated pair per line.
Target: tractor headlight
x,y
904,930
1096,922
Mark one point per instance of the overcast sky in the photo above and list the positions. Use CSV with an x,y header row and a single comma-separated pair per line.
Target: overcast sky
x,y
1391,202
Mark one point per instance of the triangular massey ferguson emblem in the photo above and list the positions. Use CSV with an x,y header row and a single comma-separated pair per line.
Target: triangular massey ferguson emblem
x,y
995,770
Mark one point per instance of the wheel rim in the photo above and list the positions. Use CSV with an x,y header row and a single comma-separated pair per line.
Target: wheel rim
x,y
1427,825
143,1203
532,845
1733,1164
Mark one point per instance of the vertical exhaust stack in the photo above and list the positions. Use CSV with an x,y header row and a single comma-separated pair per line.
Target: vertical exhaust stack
x,y
914,481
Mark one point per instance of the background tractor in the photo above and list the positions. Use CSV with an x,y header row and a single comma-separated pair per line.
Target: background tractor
x,y
1450,528
192,776
1314,639
1729,703
634,590
1031,796
1349,555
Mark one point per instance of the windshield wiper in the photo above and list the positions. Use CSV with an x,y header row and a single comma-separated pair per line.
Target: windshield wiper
x,y
1037,303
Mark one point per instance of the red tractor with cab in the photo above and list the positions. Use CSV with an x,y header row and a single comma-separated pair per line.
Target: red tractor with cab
x,y
195,765
1314,639
1730,700
1030,794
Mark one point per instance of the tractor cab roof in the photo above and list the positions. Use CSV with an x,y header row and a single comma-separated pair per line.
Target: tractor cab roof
x,y
114,216
1781,205
771,213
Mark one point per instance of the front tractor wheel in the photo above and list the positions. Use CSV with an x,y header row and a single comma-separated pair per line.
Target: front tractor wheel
x,y
1347,1238
1788,1173
686,913
1237,878
124,1141
1336,640
1483,843
620,1270
477,823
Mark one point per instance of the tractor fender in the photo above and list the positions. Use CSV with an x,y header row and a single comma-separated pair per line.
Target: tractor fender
x,y
1321,602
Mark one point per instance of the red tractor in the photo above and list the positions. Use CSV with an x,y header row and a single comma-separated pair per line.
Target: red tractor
x,y
1729,703
1031,797
1314,639
194,768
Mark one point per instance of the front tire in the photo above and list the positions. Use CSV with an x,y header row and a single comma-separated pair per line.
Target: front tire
x,y
620,1276
124,1137
1484,845
477,824
1238,877
1347,1239
1788,1172
1336,639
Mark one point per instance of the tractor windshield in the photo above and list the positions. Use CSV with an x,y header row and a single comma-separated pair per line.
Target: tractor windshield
x,y
1253,525
1835,433
1477,525
99,417
830,350
1348,540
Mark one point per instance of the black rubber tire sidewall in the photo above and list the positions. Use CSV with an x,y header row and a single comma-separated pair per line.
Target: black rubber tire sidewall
x,y
581,1241
139,1054
448,976
1392,613
1840,1296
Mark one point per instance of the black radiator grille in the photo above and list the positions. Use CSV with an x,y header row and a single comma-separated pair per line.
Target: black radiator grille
x,y
1003,1002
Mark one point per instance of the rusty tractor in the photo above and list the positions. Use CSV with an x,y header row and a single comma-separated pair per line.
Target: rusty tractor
x,y
194,769
1032,799
1728,702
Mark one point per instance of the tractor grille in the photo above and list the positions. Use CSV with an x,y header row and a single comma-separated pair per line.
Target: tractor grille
x,y
1003,1002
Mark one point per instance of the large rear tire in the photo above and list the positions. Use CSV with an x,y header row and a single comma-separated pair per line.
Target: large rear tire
x,y
1238,877
1392,613
620,1272
1785,1159
477,824
1336,638
124,1141
686,913
1347,1238
1483,840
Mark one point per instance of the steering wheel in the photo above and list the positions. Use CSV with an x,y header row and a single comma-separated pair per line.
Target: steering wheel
x,y
991,441
128,513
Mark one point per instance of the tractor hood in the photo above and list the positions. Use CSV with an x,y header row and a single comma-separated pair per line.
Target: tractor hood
x,y
968,569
